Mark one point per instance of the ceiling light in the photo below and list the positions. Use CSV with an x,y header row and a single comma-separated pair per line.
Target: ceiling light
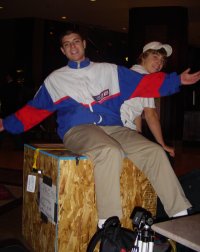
x,y
1,7
19,70
64,17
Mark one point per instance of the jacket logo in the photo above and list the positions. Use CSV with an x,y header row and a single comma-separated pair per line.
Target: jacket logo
x,y
102,95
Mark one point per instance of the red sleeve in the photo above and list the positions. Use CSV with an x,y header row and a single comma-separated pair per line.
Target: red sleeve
x,y
30,116
152,89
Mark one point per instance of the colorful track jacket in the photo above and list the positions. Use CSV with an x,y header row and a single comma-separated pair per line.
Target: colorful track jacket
x,y
88,93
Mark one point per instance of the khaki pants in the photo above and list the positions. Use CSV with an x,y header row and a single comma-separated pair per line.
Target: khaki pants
x,y
106,146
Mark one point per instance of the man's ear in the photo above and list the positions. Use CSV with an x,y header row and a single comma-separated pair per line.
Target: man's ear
x,y
62,50
84,44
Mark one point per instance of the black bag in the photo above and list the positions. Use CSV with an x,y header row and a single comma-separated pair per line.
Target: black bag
x,y
113,237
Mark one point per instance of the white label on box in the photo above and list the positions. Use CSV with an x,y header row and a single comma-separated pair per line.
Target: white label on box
x,y
47,200
31,183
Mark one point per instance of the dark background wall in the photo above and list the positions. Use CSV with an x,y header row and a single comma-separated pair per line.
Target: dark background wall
x,y
32,46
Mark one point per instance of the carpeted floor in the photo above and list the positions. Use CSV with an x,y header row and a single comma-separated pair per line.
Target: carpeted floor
x,y
12,245
10,188
5,194
11,176
10,196
11,182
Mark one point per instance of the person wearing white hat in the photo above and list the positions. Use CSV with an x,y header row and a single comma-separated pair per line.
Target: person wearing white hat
x,y
151,60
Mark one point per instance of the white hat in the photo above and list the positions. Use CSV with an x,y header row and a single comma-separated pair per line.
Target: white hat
x,y
155,45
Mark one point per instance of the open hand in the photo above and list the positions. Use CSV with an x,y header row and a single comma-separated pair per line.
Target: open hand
x,y
170,150
188,79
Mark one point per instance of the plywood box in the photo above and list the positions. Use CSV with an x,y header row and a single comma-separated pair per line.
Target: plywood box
x,y
60,214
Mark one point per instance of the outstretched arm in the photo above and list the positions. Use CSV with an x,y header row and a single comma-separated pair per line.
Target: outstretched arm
x,y
36,110
188,79
133,84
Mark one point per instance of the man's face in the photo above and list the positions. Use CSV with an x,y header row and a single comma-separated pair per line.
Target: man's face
x,y
73,47
153,62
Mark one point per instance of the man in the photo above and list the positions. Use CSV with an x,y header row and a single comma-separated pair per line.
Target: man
x,y
87,97
151,60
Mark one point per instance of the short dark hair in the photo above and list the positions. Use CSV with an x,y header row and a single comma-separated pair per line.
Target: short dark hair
x,y
70,31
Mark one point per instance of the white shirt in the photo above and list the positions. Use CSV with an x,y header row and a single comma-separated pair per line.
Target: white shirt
x,y
134,107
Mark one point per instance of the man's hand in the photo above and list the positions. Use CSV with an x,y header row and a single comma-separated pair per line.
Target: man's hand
x,y
188,79
170,150
1,125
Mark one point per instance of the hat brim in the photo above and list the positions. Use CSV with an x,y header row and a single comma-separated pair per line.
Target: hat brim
x,y
167,48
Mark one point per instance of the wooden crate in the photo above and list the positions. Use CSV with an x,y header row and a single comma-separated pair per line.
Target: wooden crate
x,y
76,216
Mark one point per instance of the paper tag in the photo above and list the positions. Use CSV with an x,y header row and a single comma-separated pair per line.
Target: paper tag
x,y
47,200
31,183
